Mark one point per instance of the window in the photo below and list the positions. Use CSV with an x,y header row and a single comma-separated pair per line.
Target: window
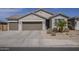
x,y
57,20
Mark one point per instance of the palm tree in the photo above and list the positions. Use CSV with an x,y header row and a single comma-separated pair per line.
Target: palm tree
x,y
61,24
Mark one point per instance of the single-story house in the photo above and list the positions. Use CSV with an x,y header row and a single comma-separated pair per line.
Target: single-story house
x,y
3,26
74,23
37,20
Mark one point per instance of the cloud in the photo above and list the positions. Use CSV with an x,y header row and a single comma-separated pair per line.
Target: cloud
x,y
10,9
6,12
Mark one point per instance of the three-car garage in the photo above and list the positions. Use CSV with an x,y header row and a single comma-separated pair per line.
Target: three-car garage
x,y
27,22
14,26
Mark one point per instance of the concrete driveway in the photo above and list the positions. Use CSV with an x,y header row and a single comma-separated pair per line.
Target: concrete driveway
x,y
34,39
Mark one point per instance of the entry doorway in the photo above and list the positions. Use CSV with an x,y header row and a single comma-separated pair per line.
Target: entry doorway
x,y
47,24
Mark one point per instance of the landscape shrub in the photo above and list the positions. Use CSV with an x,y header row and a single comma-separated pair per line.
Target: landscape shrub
x,y
49,31
53,34
55,30
66,30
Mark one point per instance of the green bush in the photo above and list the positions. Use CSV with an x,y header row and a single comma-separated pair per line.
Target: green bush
x,y
61,24
66,30
54,30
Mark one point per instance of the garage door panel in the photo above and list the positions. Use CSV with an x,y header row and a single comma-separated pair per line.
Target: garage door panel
x,y
13,26
32,26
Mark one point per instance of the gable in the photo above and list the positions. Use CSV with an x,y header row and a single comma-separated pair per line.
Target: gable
x,y
60,17
31,17
40,14
44,14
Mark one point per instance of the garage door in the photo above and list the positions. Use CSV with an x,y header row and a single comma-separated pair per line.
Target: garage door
x,y
13,26
32,26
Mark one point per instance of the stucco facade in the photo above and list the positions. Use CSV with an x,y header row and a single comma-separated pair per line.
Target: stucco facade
x,y
40,19
74,23
77,25
44,14
28,18
32,18
58,17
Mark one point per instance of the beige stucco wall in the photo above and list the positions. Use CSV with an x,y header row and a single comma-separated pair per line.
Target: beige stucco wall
x,y
77,25
58,17
44,14
32,18
12,20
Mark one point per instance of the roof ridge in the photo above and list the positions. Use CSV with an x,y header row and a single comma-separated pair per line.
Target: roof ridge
x,y
59,14
42,9
33,13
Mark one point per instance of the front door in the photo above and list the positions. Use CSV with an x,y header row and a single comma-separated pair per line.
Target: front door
x,y
47,24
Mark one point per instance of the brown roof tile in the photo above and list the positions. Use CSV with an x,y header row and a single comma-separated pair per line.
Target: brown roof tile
x,y
59,14
14,17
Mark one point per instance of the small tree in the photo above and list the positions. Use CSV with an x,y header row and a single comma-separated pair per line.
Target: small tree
x,y
61,24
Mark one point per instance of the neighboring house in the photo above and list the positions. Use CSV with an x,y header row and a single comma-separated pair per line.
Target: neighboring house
x,y
3,26
38,20
74,23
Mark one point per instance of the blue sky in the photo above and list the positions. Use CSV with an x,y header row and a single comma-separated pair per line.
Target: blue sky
x,y
6,12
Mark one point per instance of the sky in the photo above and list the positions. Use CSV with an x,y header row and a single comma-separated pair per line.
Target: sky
x,y
6,12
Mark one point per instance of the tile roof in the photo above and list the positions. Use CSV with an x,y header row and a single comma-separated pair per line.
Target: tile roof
x,y
16,17
59,14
